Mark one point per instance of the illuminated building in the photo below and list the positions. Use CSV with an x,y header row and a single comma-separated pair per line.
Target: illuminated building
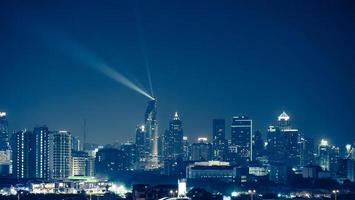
x,y
39,153
4,137
151,137
222,171
5,151
173,139
346,169
110,160
219,141
79,163
307,151
328,156
258,145
202,150
140,144
241,137
186,148
20,147
131,154
283,142
62,154
75,143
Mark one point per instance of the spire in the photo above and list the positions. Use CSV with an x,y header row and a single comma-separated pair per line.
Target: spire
x,y
176,116
283,117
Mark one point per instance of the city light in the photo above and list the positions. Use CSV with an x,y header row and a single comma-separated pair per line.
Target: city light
x,y
324,142
2,114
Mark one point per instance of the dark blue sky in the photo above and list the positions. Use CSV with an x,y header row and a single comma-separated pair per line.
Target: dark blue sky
x,y
208,60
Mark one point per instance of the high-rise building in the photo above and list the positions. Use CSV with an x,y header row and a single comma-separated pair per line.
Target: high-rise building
x,y
39,153
284,142
79,162
140,145
328,156
173,139
110,160
62,154
258,145
186,148
323,154
346,169
151,138
202,150
131,154
307,151
219,142
241,137
75,143
5,151
4,137
21,148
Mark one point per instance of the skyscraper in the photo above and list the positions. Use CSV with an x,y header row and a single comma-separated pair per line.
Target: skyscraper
x,y
219,141
141,149
4,137
241,136
307,151
258,145
283,142
5,151
151,139
20,146
131,154
39,153
328,156
202,150
62,154
173,139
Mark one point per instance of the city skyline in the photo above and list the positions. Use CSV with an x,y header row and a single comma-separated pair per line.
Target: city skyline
x,y
240,72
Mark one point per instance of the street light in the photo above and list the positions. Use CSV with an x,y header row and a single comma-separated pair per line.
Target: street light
x,y
335,192
251,192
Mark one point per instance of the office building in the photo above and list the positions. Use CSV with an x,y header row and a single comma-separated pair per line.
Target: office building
x,y
39,153
241,137
109,161
131,154
62,150
258,145
75,143
21,158
202,150
173,139
4,137
151,135
219,142
307,151
284,142
211,170
328,156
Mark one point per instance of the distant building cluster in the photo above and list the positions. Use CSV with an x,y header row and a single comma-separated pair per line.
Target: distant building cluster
x,y
245,156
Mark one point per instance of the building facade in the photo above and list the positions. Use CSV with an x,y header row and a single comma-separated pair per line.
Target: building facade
x,y
219,142
62,154
241,137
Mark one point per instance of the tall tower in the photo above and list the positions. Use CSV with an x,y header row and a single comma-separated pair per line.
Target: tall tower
x,y
151,126
241,135
20,156
4,137
219,139
173,139
61,154
39,153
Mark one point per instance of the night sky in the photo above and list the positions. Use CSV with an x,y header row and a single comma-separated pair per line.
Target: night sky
x,y
207,60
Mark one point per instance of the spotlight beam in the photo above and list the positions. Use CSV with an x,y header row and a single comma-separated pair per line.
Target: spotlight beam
x,y
118,77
